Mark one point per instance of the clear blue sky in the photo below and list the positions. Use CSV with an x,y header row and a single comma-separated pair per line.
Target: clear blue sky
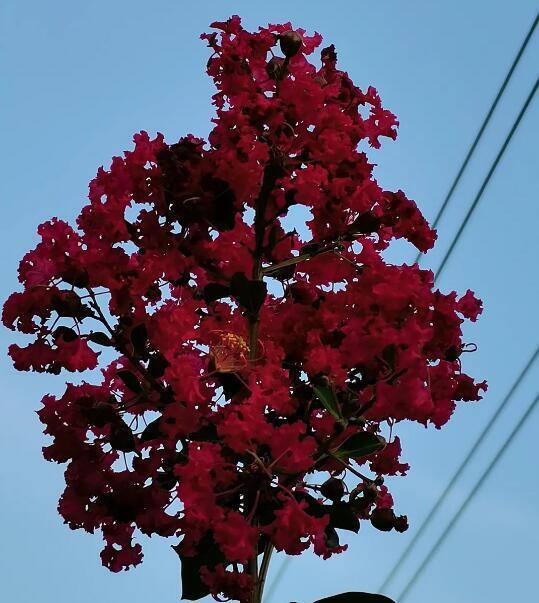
x,y
80,77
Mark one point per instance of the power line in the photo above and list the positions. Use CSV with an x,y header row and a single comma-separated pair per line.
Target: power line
x,y
458,471
284,565
479,134
487,179
434,549
448,253
450,250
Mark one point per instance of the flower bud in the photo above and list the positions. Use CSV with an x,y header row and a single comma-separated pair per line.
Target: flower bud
x,y
290,42
370,492
383,519
333,489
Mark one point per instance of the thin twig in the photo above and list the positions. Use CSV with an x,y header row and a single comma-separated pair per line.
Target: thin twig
x,y
351,469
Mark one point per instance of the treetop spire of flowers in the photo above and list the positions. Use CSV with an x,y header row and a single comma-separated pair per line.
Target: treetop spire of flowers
x,y
244,371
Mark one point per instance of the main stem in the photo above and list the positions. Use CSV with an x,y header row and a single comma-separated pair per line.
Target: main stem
x,y
268,182
263,572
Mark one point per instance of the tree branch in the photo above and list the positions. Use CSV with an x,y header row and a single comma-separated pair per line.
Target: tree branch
x,y
268,270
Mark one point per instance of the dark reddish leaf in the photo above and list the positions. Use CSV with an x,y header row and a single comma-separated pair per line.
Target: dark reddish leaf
x,y
332,538
139,337
99,338
215,291
122,438
65,333
130,381
250,294
157,365
151,431
343,517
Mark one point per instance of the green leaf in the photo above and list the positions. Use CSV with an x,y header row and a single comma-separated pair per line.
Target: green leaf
x,y
130,381
327,396
363,443
356,598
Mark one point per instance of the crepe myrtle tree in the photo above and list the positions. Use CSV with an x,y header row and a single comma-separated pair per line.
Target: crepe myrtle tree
x,y
254,379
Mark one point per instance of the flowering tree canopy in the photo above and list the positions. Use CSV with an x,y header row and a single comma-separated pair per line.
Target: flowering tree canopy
x,y
252,378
